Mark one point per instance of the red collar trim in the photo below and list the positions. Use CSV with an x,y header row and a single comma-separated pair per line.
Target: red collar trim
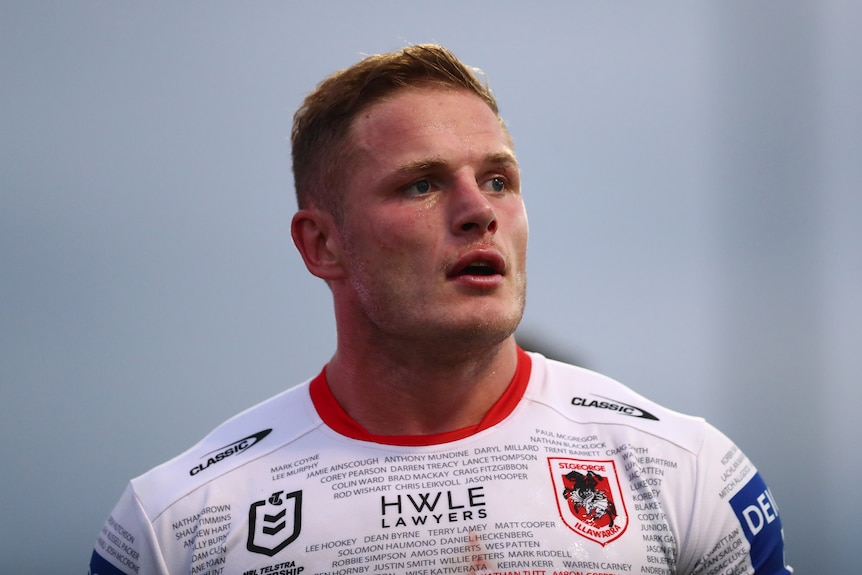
x,y
335,417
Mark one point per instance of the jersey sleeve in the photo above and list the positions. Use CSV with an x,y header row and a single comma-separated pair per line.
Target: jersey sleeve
x,y
736,527
126,544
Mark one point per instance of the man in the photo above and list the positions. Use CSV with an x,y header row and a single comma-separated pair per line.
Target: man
x,y
431,443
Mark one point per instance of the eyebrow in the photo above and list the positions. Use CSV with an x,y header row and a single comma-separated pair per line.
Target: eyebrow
x,y
430,165
501,159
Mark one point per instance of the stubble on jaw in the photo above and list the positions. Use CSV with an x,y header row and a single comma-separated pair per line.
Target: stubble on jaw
x,y
450,341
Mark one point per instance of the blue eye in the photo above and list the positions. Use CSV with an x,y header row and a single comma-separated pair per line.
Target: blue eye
x,y
419,187
498,184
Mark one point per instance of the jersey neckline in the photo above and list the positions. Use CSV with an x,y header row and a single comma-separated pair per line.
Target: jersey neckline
x,y
334,416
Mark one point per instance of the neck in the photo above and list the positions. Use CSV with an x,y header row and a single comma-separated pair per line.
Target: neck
x,y
411,391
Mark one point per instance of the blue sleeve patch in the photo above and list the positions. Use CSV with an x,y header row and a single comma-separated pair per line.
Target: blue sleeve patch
x,y
758,515
100,566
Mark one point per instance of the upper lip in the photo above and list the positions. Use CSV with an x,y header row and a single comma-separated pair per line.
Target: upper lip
x,y
482,258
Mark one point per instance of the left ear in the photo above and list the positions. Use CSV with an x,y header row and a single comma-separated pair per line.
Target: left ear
x,y
316,237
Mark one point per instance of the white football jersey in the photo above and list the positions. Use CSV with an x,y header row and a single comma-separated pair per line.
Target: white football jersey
x,y
570,473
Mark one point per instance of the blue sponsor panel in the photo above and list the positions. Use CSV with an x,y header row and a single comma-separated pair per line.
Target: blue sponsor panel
x,y
100,566
758,515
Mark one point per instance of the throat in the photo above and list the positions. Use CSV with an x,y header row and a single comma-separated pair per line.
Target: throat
x,y
400,401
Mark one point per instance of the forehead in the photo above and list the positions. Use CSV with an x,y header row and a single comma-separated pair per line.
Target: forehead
x,y
416,124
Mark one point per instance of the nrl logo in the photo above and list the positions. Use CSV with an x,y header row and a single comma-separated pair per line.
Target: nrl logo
x,y
589,498
274,523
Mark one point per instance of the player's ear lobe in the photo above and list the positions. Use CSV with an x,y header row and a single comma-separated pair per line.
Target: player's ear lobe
x,y
316,237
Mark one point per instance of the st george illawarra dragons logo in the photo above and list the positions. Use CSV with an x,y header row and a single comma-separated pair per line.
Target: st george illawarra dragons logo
x,y
589,498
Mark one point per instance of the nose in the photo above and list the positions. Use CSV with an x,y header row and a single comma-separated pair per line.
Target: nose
x,y
472,210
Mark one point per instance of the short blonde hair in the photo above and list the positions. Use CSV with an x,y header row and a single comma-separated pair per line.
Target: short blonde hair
x,y
321,125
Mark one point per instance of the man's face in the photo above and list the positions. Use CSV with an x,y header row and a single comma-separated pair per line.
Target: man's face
x,y
435,232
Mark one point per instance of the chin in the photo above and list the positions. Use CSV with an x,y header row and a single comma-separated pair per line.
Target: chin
x,y
483,333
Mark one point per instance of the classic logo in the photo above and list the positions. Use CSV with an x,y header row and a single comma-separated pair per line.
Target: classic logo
x,y
589,497
613,405
274,523
221,453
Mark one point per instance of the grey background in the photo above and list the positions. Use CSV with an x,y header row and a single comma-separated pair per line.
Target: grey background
x,y
691,169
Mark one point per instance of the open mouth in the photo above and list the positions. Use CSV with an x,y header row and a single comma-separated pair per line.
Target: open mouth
x,y
478,269
482,263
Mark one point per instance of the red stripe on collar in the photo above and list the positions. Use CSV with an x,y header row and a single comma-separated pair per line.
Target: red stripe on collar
x,y
334,416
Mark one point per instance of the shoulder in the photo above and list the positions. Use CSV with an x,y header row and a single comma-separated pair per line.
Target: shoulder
x,y
247,436
585,396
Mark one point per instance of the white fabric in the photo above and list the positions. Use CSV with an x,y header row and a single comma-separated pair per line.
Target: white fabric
x,y
643,495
